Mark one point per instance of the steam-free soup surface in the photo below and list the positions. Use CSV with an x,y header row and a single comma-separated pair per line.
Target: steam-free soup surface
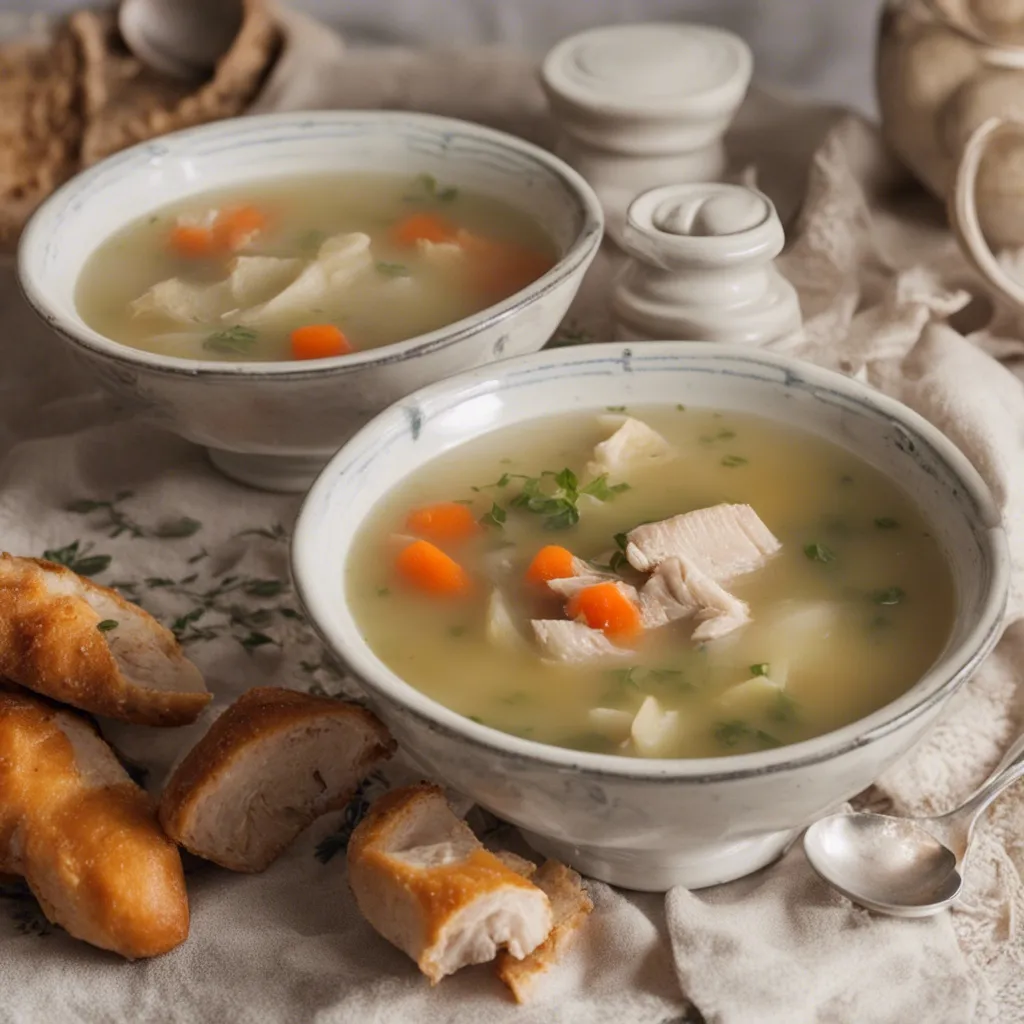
x,y
845,616
308,268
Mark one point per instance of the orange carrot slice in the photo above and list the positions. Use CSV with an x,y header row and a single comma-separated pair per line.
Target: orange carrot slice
x,y
502,268
426,226
426,567
319,341
551,563
236,226
192,241
448,521
604,607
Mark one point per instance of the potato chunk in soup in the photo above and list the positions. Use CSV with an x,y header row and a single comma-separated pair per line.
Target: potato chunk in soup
x,y
308,268
658,583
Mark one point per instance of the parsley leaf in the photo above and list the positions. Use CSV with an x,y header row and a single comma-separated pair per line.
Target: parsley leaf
x,y
234,341
888,596
732,461
107,625
496,517
761,669
887,523
392,269
819,553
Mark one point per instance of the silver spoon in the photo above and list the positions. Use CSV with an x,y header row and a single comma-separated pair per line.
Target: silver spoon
x,y
180,38
906,867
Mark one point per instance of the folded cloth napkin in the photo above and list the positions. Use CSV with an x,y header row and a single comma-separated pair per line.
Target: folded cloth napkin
x,y
877,274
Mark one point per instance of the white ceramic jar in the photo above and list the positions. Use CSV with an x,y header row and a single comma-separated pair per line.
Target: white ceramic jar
x,y
645,105
701,268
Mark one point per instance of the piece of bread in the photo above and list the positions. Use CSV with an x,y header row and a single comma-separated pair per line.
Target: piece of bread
x,y
425,882
83,836
68,638
570,906
269,766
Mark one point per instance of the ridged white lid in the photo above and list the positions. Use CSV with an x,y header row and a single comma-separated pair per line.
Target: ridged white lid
x,y
659,70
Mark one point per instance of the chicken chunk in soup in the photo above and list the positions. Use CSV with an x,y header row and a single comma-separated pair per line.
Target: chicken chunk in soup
x,y
653,582
308,268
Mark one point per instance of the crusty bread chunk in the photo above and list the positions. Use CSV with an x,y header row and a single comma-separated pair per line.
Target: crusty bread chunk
x,y
570,906
270,765
83,835
425,882
68,638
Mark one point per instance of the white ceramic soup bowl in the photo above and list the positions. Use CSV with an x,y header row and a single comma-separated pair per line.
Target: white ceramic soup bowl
x,y
652,824
274,425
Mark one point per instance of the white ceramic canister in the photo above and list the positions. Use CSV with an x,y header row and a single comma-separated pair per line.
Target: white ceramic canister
x,y
701,268
645,105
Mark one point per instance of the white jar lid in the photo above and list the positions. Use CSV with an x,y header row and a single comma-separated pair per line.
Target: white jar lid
x,y
703,224
650,70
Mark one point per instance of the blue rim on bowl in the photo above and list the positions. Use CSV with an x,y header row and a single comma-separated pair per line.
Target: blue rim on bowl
x,y
339,632
43,230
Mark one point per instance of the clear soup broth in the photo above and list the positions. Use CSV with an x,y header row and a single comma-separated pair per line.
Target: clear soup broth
x,y
308,268
847,614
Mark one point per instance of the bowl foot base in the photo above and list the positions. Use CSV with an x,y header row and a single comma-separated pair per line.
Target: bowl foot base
x,y
291,474
659,870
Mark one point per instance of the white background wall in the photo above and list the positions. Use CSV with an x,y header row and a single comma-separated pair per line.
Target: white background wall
x,y
820,47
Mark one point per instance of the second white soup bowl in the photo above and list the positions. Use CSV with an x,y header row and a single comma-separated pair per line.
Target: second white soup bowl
x,y
652,824
275,424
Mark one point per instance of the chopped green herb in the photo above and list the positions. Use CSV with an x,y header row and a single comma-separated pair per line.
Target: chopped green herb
x,y
254,640
426,187
107,625
846,479
888,596
887,523
392,269
199,556
289,613
264,588
383,592
474,718
721,435
600,488
180,624
784,710
75,556
680,408
502,481
615,408
761,669
495,518
456,631
819,553
183,527
732,461
729,734
617,561
235,340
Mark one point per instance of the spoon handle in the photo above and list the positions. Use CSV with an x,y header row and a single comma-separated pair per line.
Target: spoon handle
x,y
966,816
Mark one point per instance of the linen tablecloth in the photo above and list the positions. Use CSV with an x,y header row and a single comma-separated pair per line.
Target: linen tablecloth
x,y
886,297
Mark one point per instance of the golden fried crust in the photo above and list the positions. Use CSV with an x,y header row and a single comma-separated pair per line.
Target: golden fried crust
x,y
441,891
256,718
85,837
50,643
571,905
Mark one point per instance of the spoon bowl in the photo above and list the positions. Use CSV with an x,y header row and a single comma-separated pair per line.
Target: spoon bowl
x,y
180,38
906,867
892,865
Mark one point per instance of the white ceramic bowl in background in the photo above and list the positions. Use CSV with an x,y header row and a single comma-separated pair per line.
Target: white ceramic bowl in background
x,y
651,824
274,425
